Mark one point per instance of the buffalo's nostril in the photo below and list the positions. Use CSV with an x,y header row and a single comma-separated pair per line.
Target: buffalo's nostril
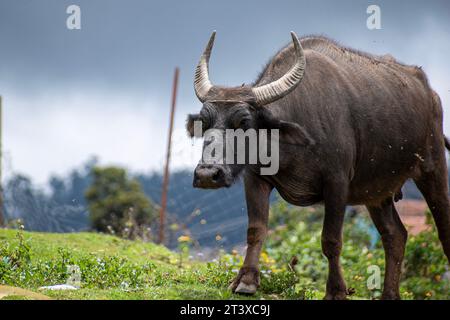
x,y
216,176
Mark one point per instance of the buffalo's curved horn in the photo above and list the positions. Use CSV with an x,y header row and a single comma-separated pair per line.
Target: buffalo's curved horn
x,y
277,89
202,84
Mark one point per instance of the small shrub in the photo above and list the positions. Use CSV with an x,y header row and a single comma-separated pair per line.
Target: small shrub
x,y
117,204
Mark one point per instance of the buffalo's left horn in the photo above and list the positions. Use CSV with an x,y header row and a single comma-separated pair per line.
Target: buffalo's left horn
x,y
277,89
202,84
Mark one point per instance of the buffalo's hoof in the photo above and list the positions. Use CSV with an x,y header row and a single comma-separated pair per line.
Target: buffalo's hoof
x,y
339,295
336,296
246,288
339,292
390,296
246,282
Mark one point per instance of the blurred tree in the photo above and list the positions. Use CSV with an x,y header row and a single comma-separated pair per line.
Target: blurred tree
x,y
26,203
118,205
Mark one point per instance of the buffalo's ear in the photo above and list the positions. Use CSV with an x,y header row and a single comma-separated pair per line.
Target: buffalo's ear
x,y
290,132
190,123
293,133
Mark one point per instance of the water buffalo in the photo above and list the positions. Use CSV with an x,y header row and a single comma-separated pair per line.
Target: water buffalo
x,y
353,127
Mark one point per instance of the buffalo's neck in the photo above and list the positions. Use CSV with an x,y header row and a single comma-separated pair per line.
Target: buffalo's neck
x,y
298,179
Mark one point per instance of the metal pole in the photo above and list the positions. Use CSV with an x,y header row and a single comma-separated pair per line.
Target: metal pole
x,y
162,212
2,216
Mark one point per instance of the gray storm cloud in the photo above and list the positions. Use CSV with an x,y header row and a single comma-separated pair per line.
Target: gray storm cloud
x,y
105,89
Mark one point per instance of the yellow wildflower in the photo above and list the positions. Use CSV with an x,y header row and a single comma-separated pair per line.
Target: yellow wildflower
x,y
184,238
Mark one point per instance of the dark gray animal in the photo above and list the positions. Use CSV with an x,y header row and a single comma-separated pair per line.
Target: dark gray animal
x,y
353,128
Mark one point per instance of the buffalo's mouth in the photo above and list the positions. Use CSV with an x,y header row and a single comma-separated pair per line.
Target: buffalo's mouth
x,y
212,177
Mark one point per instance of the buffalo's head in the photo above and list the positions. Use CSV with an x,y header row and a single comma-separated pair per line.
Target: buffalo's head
x,y
238,110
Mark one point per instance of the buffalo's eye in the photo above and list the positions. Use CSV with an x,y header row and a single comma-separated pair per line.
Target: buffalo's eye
x,y
207,117
206,123
242,123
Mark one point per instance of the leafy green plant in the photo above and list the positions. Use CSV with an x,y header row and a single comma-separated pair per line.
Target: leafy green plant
x,y
118,205
295,243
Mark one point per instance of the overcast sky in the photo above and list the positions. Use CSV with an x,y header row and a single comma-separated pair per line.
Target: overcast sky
x,y
105,89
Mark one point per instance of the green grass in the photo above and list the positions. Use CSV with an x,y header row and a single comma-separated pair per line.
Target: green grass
x,y
113,268
30,260
46,245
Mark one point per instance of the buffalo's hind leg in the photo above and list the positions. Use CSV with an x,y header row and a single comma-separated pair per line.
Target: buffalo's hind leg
x,y
257,193
434,187
393,235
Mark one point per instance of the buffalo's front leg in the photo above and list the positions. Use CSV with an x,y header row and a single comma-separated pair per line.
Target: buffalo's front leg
x,y
257,193
335,201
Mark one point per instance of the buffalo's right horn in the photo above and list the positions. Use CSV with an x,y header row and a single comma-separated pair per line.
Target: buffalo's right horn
x,y
202,85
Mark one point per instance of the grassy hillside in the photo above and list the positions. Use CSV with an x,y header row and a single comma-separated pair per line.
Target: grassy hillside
x,y
111,268
292,264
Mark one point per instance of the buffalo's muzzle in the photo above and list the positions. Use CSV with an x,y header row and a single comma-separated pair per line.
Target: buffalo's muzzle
x,y
210,177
